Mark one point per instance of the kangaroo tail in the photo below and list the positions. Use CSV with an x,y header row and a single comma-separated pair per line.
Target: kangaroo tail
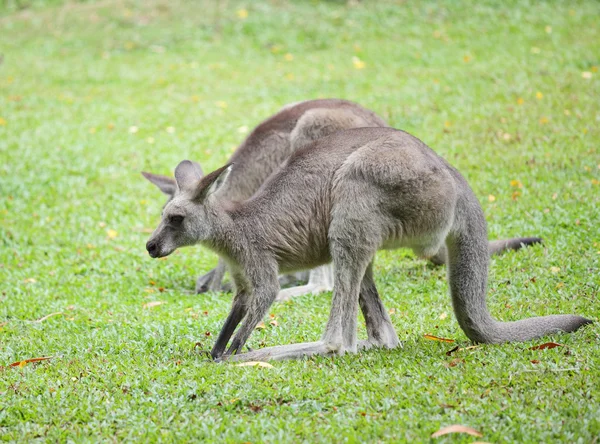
x,y
468,257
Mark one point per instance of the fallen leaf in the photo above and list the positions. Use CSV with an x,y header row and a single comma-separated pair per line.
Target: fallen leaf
x,y
24,362
535,361
443,316
289,57
30,281
48,316
111,234
586,74
454,362
358,63
545,346
274,323
242,13
520,101
260,326
491,198
452,350
554,269
153,304
254,364
435,338
456,428
457,349
539,95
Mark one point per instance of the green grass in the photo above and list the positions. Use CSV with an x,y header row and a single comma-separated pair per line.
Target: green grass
x,y
74,216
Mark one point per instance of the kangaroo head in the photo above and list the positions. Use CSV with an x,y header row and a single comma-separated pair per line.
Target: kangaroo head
x,y
166,184
186,218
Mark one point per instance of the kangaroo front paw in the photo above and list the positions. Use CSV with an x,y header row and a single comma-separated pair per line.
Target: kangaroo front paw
x,y
204,282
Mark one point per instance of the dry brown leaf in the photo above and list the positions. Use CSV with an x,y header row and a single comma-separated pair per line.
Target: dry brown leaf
x,y
452,350
254,364
545,346
153,304
48,316
456,428
435,338
24,362
274,323
260,326
454,362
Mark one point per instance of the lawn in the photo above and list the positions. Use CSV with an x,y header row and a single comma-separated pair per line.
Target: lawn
x,y
92,93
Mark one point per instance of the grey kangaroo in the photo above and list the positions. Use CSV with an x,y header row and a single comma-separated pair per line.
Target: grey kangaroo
x,y
340,199
266,149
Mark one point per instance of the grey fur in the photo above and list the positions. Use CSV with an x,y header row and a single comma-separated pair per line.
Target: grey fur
x,y
339,200
268,146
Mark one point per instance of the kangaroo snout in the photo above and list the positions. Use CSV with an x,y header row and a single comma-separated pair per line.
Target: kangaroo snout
x,y
152,248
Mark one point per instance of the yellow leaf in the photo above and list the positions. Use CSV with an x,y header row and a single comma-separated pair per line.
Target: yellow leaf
x,y
543,120
516,183
111,234
153,304
466,59
539,95
554,269
261,326
586,75
491,198
435,338
242,13
520,101
24,362
2,121
358,63
254,364
289,57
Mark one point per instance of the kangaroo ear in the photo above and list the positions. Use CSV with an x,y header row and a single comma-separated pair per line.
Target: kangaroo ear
x,y
211,183
187,175
165,184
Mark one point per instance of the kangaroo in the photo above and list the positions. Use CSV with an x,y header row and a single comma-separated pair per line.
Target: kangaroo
x,y
267,147
340,199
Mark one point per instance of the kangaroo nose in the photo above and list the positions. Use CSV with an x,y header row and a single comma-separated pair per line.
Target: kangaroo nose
x,y
152,248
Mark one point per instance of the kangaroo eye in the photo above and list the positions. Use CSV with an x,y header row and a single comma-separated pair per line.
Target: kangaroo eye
x,y
175,220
